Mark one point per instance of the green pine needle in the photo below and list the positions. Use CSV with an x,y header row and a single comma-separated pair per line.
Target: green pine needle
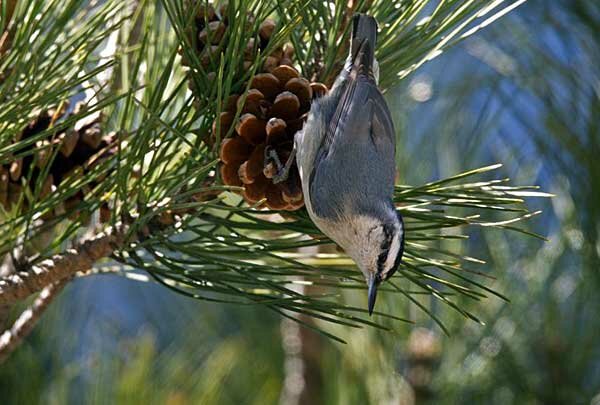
x,y
222,250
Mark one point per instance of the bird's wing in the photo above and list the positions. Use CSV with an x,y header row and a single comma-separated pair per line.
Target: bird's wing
x,y
339,116
361,111
358,145
382,126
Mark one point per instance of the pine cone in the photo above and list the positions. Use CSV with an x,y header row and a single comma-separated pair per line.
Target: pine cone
x,y
79,149
208,37
273,110
270,113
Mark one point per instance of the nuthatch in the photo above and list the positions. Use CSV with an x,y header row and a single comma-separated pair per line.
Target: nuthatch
x,y
346,158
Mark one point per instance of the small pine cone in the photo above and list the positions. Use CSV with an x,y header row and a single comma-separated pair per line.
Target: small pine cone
x,y
208,37
70,153
272,111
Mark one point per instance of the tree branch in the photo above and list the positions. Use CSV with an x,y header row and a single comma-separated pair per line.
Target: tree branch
x,y
12,337
21,285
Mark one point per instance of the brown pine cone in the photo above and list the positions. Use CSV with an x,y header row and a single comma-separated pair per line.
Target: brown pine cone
x,y
70,153
271,112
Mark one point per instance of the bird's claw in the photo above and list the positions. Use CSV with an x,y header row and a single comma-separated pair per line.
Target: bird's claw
x,y
280,177
271,157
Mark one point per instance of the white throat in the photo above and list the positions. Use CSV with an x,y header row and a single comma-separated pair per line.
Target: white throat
x,y
353,235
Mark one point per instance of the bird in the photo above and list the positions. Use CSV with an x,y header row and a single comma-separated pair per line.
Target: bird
x,y
345,155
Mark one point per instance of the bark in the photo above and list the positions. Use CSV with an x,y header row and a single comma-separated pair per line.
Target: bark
x,y
22,284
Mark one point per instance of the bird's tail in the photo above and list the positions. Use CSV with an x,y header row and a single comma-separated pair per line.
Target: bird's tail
x,y
362,44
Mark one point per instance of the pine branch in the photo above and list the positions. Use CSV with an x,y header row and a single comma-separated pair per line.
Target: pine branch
x,y
12,337
411,33
22,284
224,251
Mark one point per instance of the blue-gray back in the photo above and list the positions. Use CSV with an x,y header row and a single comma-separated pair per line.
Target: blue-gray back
x,y
355,162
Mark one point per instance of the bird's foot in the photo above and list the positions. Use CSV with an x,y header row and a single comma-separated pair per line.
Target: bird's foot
x,y
278,173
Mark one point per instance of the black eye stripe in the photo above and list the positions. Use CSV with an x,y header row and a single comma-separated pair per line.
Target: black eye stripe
x,y
385,248
400,250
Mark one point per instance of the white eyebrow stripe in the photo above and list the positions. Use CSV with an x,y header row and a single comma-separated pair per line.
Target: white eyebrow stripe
x,y
392,254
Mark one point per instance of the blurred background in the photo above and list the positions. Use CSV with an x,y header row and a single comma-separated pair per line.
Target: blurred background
x,y
525,92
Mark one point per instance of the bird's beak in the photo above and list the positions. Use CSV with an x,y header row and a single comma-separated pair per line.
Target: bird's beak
x,y
372,292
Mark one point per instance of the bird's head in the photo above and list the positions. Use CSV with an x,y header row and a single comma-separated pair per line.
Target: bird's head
x,y
376,244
